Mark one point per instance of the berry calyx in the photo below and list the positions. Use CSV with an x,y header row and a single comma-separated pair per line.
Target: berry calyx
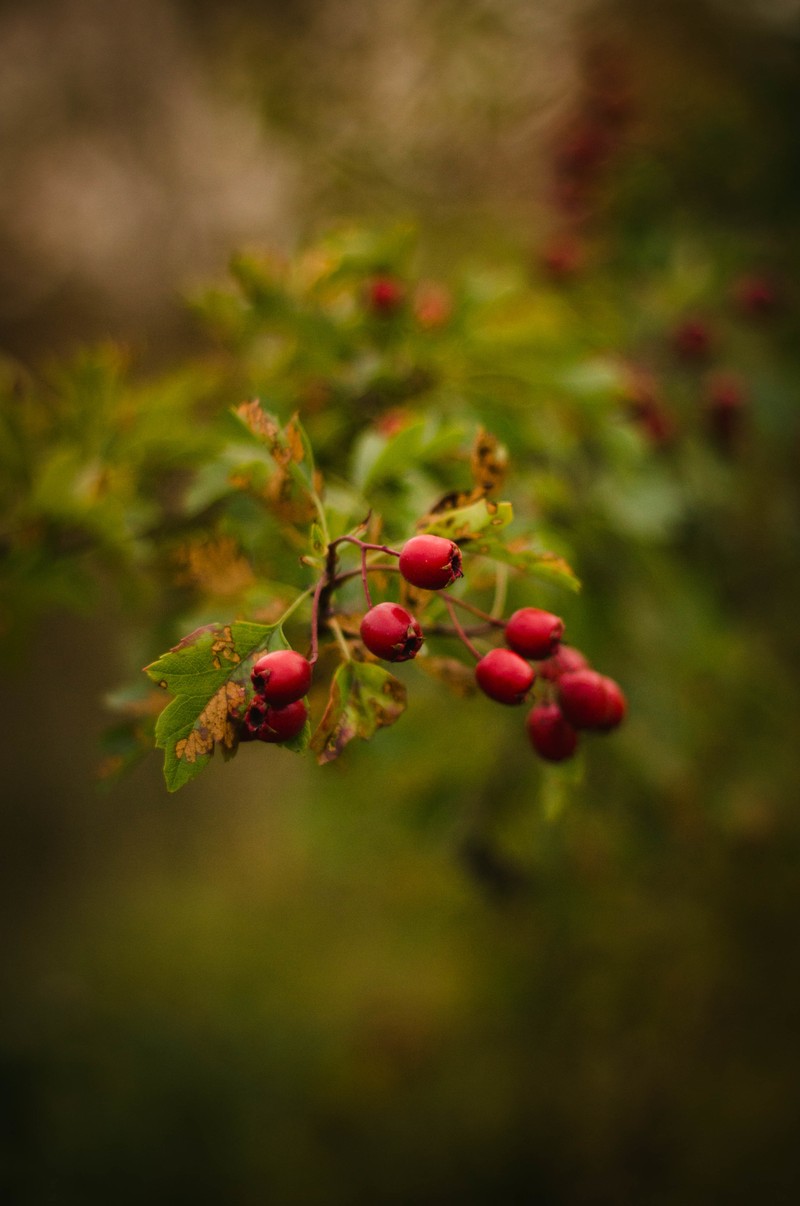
x,y
504,676
281,677
590,700
565,659
430,562
391,632
534,633
282,724
550,733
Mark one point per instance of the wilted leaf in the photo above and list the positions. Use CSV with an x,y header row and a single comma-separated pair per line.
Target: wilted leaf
x,y
364,698
290,449
208,672
489,462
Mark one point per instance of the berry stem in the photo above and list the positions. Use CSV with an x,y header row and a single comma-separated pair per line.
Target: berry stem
x,y
364,545
333,624
364,581
476,611
459,629
323,578
292,608
500,591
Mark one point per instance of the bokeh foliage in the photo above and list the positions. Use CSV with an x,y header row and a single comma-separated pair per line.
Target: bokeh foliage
x,y
439,971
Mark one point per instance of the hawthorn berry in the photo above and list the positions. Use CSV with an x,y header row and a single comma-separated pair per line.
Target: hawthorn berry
x,y
693,339
504,676
391,632
281,677
565,659
550,733
534,633
282,724
430,562
590,700
616,704
725,404
385,295
756,296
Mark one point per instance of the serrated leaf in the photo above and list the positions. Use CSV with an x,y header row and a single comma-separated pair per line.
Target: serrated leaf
x,y
364,698
208,672
470,521
547,566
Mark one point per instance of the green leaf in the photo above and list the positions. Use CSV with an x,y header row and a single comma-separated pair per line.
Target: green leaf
x,y
208,672
468,522
364,698
547,566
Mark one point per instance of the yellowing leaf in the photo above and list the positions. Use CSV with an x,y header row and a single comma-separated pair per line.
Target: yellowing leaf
x,y
208,672
364,698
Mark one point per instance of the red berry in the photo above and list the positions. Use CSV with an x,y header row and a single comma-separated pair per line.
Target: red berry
x,y
726,403
282,724
756,296
692,339
590,700
254,716
281,677
385,295
391,632
616,704
430,562
433,306
565,659
550,733
534,633
562,257
504,676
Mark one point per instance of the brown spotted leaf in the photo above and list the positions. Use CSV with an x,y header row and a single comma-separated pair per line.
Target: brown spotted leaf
x,y
364,698
208,672
488,462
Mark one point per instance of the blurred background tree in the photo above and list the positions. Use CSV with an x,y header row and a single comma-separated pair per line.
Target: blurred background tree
x,y
289,982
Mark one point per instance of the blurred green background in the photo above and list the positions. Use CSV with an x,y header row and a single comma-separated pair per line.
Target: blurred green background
x,y
421,975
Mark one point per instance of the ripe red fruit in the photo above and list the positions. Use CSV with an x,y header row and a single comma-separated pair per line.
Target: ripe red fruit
x,y
391,632
504,676
385,295
281,677
433,306
282,724
692,339
562,257
756,296
565,659
726,403
550,733
430,562
616,704
590,700
534,633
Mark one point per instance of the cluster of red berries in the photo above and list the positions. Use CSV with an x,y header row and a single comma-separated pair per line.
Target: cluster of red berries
x,y
572,695
575,696
278,711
